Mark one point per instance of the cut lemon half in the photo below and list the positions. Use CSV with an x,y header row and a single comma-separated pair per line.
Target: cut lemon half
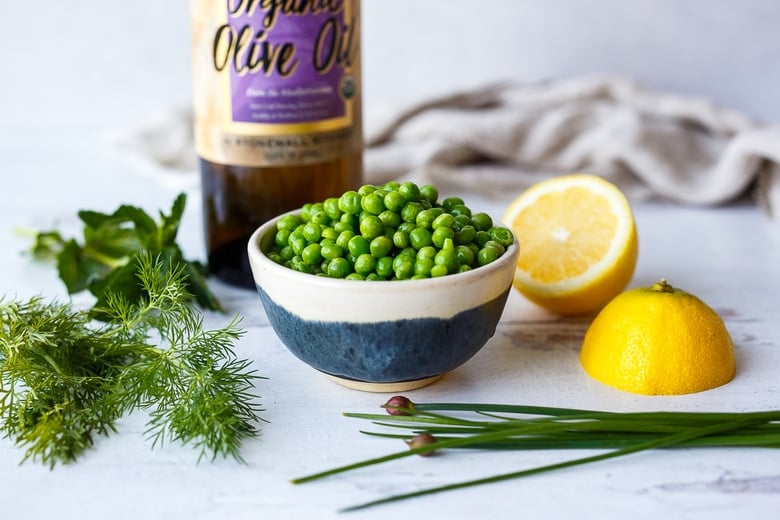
x,y
578,243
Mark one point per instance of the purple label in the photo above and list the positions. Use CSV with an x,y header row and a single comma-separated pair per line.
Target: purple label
x,y
286,65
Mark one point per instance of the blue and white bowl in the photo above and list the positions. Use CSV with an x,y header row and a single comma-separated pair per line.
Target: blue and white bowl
x,y
382,336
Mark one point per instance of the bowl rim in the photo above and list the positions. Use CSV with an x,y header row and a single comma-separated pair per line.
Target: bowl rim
x,y
256,255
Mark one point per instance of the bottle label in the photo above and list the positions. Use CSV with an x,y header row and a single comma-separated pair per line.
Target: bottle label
x,y
276,83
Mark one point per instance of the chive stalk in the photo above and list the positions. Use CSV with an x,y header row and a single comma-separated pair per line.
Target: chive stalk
x,y
518,427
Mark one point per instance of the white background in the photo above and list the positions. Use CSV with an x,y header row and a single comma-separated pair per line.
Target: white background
x,y
72,71
94,65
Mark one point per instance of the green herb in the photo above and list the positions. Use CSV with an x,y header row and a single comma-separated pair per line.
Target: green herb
x,y
514,427
108,259
66,379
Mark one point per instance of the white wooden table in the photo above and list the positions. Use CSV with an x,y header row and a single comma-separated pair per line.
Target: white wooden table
x,y
730,257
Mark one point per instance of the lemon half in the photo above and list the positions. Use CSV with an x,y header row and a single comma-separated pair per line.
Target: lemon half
x,y
578,243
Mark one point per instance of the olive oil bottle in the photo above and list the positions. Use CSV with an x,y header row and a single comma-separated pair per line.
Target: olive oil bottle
x,y
277,114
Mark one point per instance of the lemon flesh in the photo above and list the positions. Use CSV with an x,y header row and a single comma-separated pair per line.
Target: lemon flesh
x,y
578,243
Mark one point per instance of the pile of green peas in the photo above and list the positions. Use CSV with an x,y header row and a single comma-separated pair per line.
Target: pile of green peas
x,y
398,231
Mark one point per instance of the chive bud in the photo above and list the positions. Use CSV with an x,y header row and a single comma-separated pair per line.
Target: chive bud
x,y
399,405
423,439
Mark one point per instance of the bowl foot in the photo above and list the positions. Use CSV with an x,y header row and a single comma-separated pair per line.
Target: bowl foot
x,y
400,386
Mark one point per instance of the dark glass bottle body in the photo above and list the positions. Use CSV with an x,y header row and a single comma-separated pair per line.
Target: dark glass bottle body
x,y
238,199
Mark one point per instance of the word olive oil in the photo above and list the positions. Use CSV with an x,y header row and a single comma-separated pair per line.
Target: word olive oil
x,y
277,113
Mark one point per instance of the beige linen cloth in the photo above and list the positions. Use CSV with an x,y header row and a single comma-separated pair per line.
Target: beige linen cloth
x,y
497,140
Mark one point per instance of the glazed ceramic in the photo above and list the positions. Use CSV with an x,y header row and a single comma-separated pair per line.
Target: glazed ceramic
x,y
382,335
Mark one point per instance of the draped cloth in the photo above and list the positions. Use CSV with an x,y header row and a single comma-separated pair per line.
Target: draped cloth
x,y
498,139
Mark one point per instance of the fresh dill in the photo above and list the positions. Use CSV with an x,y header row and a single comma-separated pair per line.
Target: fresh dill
x,y
66,379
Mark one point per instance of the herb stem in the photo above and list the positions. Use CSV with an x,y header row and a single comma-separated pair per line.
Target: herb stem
x,y
515,427
665,441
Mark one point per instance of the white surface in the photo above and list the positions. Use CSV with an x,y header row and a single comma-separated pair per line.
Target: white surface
x,y
727,256
73,71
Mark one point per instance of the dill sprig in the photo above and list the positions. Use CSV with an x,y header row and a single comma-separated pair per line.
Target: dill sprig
x,y
66,379
518,427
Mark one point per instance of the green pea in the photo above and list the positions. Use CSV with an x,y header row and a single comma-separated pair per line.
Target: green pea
x,y
465,235
438,270
406,227
340,226
306,211
384,266
423,267
329,233
495,245
425,219
481,238
463,268
366,189
487,255
351,219
343,239
373,203
427,252
358,245
451,202
429,192
441,234
349,202
312,232
482,221
297,242
502,235
410,191
380,246
365,264
371,227
404,270
461,221
373,277
420,237
339,268
320,217
443,220
399,259
330,251
331,208
288,222
461,209
448,258
281,237
286,253
394,201
299,265
312,254
354,276
465,255
401,239
390,219
410,210
408,252
275,257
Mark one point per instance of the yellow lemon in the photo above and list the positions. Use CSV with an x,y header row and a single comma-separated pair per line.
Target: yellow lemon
x,y
578,243
658,341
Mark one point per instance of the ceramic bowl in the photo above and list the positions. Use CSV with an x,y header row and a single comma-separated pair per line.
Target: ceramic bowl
x,y
383,336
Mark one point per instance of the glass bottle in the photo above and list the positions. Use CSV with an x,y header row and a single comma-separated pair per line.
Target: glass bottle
x,y
277,113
